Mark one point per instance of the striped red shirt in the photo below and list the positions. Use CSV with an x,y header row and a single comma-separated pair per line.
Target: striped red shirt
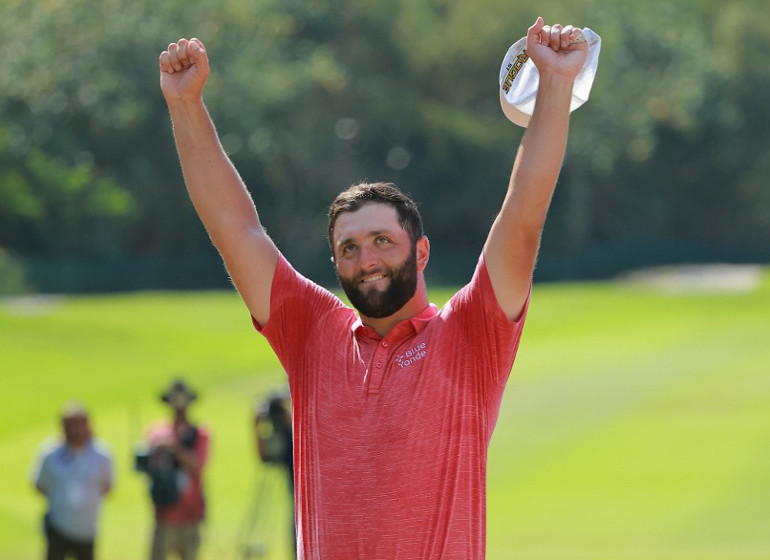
x,y
391,434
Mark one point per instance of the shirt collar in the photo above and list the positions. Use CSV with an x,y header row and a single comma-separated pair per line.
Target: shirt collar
x,y
404,329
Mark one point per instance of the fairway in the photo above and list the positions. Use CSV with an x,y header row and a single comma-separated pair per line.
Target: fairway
x,y
636,425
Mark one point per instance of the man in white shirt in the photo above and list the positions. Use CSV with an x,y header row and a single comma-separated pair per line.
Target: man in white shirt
x,y
73,475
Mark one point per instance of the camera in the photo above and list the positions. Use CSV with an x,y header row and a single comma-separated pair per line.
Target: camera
x,y
142,460
162,468
273,423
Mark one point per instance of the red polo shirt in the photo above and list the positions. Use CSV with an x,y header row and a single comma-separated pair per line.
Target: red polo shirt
x,y
391,434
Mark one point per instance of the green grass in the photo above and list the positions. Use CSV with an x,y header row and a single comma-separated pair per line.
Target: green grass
x,y
636,426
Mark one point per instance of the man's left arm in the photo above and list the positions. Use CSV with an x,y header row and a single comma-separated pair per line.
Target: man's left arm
x,y
511,248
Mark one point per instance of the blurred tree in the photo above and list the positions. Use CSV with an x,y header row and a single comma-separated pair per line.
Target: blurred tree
x,y
668,157
12,280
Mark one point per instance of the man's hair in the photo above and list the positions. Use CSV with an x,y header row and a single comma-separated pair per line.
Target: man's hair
x,y
356,196
73,409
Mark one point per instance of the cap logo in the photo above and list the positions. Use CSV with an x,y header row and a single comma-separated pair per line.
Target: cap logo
x,y
513,69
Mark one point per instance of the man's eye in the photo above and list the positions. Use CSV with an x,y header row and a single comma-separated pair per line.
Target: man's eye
x,y
381,240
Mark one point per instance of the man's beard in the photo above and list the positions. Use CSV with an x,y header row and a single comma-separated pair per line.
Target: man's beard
x,y
378,304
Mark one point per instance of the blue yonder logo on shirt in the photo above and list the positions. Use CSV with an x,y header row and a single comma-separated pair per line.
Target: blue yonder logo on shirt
x,y
412,355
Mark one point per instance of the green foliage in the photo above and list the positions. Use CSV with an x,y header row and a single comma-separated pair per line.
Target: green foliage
x,y
12,280
310,96
51,205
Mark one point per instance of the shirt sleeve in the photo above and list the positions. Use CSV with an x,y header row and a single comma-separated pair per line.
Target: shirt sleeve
x,y
297,307
494,338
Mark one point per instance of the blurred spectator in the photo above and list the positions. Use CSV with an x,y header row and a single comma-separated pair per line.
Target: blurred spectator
x,y
73,475
174,461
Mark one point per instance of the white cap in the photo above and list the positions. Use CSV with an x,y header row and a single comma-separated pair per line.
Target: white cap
x,y
519,78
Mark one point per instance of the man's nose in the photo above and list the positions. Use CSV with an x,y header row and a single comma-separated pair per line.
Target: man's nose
x,y
368,257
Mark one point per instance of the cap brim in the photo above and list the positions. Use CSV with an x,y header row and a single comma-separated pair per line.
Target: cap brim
x,y
512,113
167,396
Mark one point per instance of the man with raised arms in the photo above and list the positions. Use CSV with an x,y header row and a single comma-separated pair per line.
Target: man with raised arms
x,y
394,407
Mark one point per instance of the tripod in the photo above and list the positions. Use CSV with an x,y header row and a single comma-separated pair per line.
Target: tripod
x,y
268,514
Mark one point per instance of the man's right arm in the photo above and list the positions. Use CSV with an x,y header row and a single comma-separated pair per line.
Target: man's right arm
x,y
40,475
221,199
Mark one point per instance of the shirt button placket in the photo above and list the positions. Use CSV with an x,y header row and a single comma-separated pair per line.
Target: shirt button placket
x,y
379,360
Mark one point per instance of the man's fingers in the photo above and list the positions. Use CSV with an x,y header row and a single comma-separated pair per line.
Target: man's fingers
x,y
165,63
183,54
197,54
544,35
533,33
198,43
173,57
550,36
182,47
554,40
537,26
180,57
576,36
566,36
555,36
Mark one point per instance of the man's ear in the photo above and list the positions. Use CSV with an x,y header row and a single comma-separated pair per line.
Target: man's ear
x,y
423,253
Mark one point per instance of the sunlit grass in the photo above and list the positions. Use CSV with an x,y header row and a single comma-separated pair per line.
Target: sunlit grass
x,y
635,425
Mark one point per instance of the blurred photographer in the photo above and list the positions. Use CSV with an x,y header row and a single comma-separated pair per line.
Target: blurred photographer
x,y
174,461
273,429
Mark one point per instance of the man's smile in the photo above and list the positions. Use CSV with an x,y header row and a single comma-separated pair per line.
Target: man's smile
x,y
372,278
